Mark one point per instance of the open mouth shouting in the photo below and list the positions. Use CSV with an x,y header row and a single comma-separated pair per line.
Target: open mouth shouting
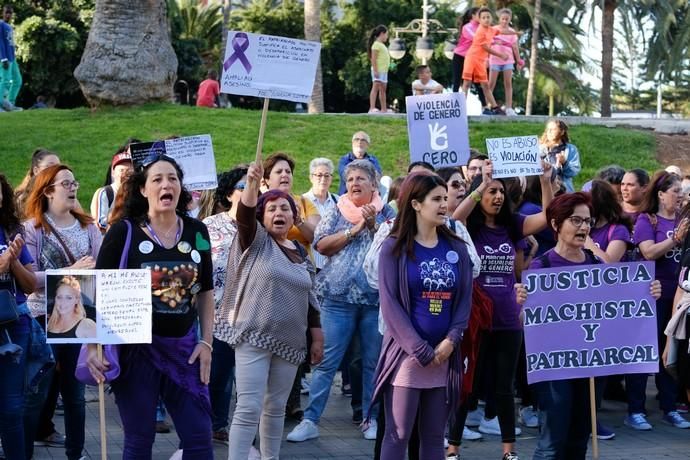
x,y
166,199
581,235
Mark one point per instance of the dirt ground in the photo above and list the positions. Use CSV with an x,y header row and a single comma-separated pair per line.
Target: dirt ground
x,y
673,149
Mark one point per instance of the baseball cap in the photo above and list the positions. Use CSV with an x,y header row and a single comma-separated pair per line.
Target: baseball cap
x,y
119,158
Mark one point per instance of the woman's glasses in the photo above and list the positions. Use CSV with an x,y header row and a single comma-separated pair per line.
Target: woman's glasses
x,y
322,176
67,184
578,221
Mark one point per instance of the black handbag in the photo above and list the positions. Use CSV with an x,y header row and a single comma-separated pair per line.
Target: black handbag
x,y
8,307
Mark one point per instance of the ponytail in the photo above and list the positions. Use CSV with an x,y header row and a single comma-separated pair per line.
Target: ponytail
x,y
378,30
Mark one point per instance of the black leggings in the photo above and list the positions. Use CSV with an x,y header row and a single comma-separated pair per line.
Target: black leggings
x,y
502,353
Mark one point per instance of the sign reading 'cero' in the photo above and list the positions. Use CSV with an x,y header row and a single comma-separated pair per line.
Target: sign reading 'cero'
x,y
589,321
437,129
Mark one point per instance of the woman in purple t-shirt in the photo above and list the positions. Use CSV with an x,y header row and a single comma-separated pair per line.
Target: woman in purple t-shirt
x,y
495,230
610,236
425,287
659,235
564,427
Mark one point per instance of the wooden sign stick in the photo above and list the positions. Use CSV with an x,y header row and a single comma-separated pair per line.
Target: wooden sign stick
x,y
593,411
101,409
262,130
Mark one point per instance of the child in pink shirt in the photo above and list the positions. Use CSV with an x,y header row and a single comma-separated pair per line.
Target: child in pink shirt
x,y
505,44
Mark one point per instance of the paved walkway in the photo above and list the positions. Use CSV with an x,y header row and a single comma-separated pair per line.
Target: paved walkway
x,y
340,440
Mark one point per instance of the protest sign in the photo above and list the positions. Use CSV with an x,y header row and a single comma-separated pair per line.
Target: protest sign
x,y
269,66
194,154
514,156
437,129
590,321
98,306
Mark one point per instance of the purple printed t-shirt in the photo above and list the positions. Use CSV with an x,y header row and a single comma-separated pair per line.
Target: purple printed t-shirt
x,y
555,260
432,279
602,236
7,280
497,276
667,265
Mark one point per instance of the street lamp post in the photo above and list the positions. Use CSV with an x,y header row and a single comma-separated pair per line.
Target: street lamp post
x,y
424,47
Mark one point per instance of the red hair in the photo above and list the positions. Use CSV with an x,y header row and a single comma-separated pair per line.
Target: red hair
x,y
37,202
563,207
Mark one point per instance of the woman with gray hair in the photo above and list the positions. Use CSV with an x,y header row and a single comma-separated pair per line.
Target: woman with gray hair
x,y
321,178
349,304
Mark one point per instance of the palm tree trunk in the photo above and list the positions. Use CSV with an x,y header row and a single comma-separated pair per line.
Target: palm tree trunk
x,y
312,31
128,58
607,21
533,57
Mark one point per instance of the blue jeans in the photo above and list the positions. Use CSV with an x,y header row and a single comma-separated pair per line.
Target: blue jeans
x,y
564,419
340,321
72,391
220,386
13,372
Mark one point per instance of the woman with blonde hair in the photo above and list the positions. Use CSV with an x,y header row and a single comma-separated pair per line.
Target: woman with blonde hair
x,y
68,319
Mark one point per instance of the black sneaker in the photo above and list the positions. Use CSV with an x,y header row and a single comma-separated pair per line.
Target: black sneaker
x,y
498,111
510,456
357,417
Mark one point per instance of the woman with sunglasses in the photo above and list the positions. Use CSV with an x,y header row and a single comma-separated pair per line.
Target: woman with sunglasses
x,y
60,235
456,186
222,229
176,366
495,230
16,276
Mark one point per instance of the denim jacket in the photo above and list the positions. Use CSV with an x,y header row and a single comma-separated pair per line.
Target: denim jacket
x,y
39,359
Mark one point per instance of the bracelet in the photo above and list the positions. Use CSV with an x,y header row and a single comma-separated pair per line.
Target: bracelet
x,y
476,196
210,347
348,234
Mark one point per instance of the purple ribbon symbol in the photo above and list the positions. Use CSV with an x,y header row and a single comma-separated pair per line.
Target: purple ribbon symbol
x,y
240,43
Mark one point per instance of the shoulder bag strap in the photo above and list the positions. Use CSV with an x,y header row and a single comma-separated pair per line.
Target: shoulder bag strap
x,y
128,242
68,253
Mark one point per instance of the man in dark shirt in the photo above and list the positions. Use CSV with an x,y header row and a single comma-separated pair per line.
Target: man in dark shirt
x,y
360,144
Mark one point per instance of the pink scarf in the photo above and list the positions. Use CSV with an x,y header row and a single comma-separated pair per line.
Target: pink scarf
x,y
352,212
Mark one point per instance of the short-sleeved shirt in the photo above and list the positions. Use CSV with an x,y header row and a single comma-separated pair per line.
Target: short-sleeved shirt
x,y
7,280
221,230
666,266
342,279
503,44
466,37
484,36
208,90
555,260
604,235
383,59
496,249
426,88
177,274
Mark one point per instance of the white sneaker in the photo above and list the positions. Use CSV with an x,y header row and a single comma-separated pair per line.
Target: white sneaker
x,y
491,426
475,417
370,431
529,417
305,386
304,431
254,454
470,435
510,112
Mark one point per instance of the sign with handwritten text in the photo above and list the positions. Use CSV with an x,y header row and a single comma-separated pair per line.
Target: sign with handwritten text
x,y
98,306
194,154
514,156
269,66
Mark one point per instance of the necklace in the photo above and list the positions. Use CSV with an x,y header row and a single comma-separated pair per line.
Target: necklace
x,y
166,234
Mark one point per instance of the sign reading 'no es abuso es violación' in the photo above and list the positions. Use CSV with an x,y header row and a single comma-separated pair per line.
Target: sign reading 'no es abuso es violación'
x,y
437,129
269,66
514,156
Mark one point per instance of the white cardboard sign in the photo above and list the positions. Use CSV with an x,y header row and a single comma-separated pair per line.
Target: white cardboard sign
x,y
98,306
269,66
514,156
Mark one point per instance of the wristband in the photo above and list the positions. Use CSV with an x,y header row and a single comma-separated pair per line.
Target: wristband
x,y
476,196
210,347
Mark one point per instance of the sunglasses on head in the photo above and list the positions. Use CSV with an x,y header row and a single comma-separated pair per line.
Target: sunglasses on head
x,y
240,185
154,158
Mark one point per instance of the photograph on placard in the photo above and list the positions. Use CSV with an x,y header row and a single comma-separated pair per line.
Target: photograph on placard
x,y
71,306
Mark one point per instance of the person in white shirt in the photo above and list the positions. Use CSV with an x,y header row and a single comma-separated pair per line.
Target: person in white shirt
x,y
424,84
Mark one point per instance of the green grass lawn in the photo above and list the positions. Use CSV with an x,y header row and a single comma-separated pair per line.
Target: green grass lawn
x,y
86,140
